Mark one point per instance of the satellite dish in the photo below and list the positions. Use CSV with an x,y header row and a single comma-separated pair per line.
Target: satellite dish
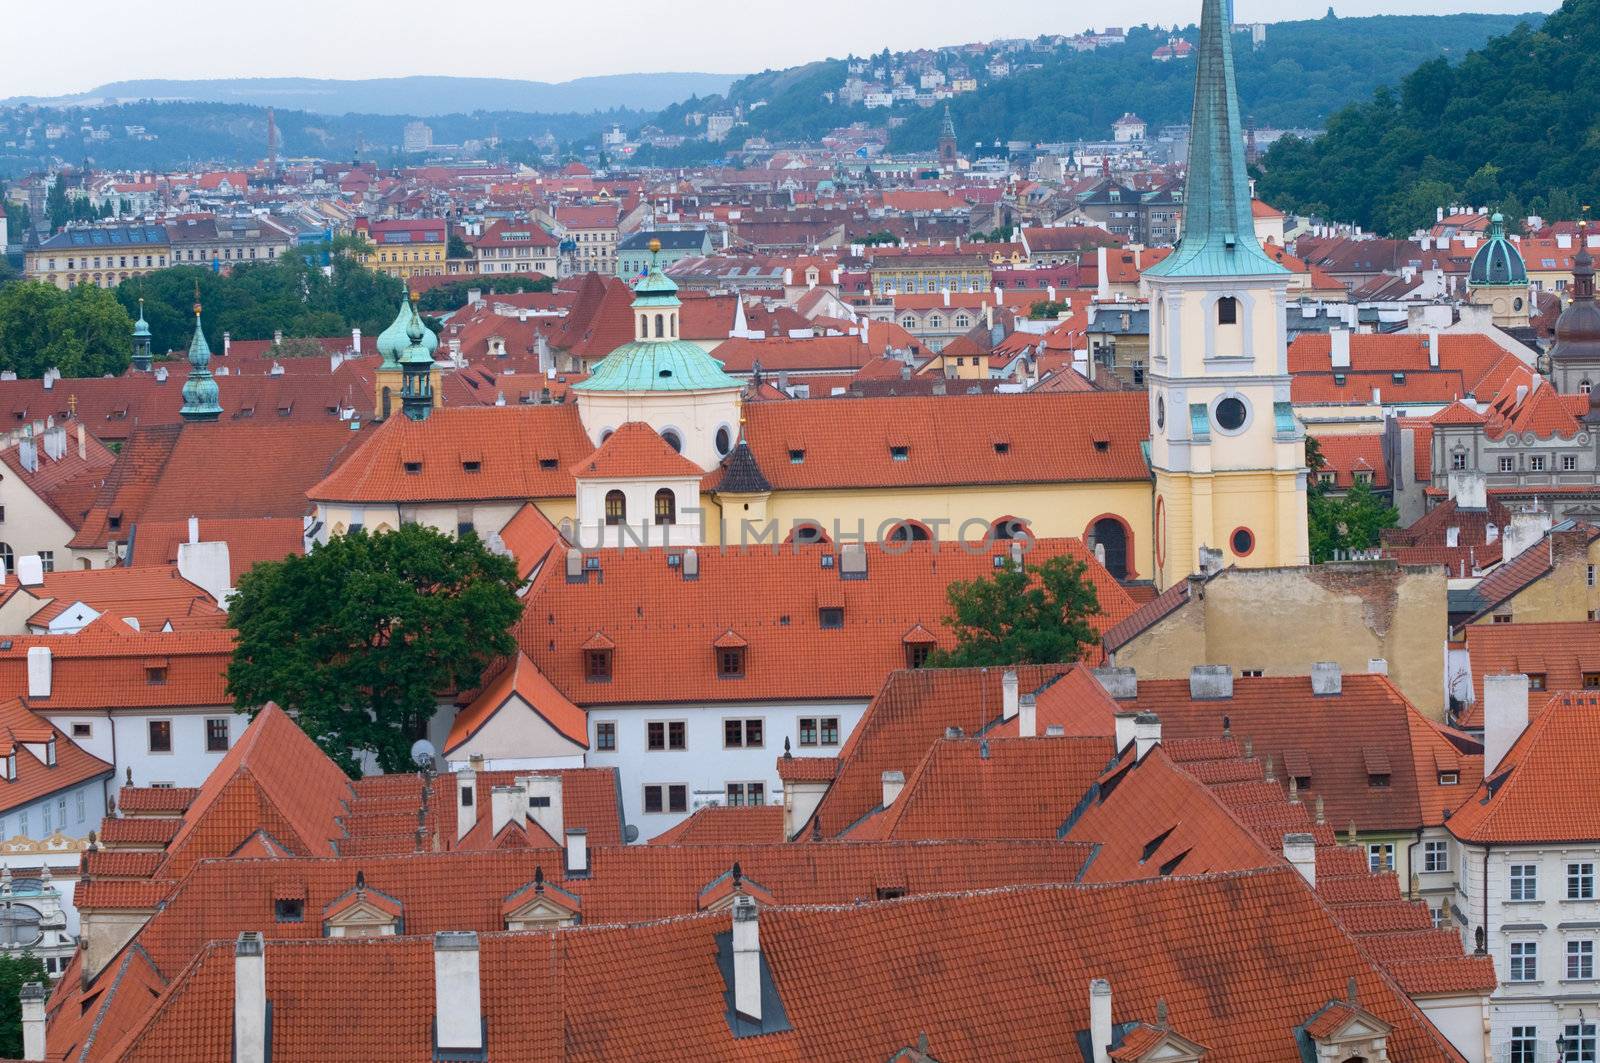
x,y
423,754
630,834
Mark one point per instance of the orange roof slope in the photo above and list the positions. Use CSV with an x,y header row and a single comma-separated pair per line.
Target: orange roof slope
x,y
522,680
635,451
1240,962
250,541
1532,795
19,728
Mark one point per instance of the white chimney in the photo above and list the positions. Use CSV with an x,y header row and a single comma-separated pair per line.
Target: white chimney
x,y
1008,694
33,996
457,1001
1469,490
194,529
893,783
83,443
1146,733
1340,340
544,803
38,671
1103,290
1123,724
1301,851
746,959
577,851
466,800
1433,349
1377,666
507,804
1027,716
1505,716
30,570
1326,678
1527,528
1100,1014
249,999
1452,537
355,340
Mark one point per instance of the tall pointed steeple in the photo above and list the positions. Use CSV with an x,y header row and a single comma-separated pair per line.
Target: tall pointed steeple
x,y
141,342
200,395
949,155
1219,234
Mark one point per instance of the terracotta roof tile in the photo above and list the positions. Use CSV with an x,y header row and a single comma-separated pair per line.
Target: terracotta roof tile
x,y
635,451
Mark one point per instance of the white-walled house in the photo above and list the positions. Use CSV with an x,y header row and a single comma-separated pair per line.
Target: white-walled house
x,y
1528,848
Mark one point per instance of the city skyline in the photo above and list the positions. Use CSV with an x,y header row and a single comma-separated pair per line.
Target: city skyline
x,y
128,41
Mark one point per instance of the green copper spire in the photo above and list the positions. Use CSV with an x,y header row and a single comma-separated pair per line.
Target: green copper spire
x,y
141,342
200,396
416,365
1219,234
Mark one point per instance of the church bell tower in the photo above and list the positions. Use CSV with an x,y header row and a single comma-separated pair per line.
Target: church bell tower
x,y
1226,449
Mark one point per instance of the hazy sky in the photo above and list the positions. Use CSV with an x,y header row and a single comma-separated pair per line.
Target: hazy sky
x,y
73,47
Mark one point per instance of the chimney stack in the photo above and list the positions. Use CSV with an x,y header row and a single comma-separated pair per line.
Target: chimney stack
x,y
1340,351
38,671
250,1021
893,783
1027,716
1123,722
33,996
577,852
543,803
853,561
1301,851
1210,682
355,341
1433,349
83,443
466,799
507,804
1100,1019
194,529
30,570
1008,694
457,1002
1326,679
1146,733
1505,717
1121,683
746,959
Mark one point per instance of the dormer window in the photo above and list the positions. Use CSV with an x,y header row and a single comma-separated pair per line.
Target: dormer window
x,y
289,910
597,666
797,456
730,662
472,466
413,468
830,617
900,453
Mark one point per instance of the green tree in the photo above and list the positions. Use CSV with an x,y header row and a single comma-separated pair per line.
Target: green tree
x,y
361,637
16,971
82,332
1035,614
457,247
1045,310
1353,521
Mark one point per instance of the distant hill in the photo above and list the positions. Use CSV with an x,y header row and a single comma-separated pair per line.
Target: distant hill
x,y
419,96
1303,74
1510,126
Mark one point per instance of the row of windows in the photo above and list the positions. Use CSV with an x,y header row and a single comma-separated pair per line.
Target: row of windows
x,y
598,664
666,506
1508,462
1579,967
743,733
8,556
120,262
159,732
674,797
53,816
960,321
410,256
1524,882
1577,1043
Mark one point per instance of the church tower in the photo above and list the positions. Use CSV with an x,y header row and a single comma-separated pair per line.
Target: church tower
x,y
1226,449
1575,358
201,400
949,156
1498,279
142,357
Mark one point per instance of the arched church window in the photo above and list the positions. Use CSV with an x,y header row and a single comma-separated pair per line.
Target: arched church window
x,y
661,326
666,507
616,508
1227,310
8,558
1584,386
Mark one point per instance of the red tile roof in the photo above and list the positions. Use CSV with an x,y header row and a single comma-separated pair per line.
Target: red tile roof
x,y
662,626
153,595
1347,455
724,825
951,440
99,670
1532,796
635,451
250,541
26,735
521,680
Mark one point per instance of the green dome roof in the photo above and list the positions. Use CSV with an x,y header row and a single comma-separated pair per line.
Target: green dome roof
x,y
1498,262
201,399
416,351
657,365
393,340
141,328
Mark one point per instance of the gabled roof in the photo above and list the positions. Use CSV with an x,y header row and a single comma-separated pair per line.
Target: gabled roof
x,y
524,681
1542,791
22,728
635,452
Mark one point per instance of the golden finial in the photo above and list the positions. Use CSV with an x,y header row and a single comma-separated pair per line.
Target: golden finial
x,y
196,298
72,405
655,247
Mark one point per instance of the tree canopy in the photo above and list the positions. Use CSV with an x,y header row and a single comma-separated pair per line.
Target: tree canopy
x,y
257,299
81,332
1033,614
1510,127
363,635
1352,521
16,970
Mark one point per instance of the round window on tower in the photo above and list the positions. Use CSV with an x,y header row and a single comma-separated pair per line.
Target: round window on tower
x,y
674,440
1243,541
1517,305
1231,414
1161,411
724,441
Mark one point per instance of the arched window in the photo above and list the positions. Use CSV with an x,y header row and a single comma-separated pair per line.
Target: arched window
x,y
644,326
674,440
661,326
616,508
8,558
1009,528
910,531
909,321
808,533
666,507
1584,387
1227,310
